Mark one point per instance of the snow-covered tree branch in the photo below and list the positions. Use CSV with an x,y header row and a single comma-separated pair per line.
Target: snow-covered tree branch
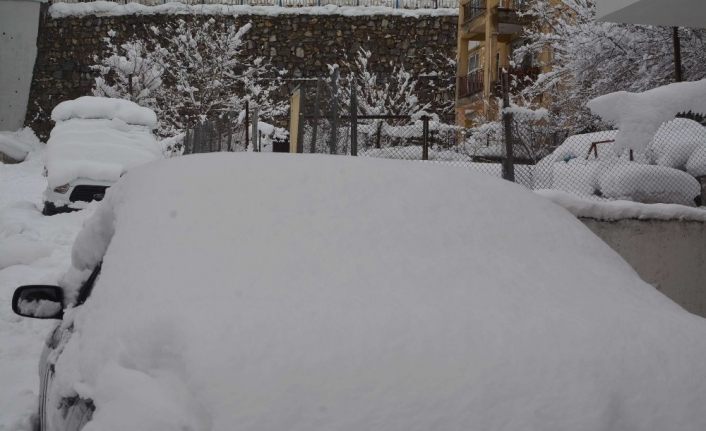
x,y
590,58
190,71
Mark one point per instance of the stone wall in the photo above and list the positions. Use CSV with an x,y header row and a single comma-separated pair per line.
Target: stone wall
x,y
302,44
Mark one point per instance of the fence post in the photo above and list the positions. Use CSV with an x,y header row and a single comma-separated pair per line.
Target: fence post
x,y
317,114
425,138
185,142
255,133
219,133
247,123
354,119
508,161
334,112
229,118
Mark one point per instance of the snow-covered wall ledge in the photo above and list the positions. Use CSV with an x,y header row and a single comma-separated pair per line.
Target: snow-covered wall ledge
x,y
665,244
622,210
104,8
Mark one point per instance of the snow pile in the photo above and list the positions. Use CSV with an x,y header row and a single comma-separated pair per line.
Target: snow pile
x,y
675,142
621,210
588,164
106,8
16,145
92,107
696,164
17,250
100,150
34,250
347,294
638,116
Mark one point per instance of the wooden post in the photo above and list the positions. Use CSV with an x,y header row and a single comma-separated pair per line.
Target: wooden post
x,y
294,120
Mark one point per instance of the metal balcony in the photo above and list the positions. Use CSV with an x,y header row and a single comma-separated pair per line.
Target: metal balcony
x,y
473,9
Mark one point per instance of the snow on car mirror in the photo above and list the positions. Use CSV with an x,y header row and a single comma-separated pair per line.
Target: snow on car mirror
x,y
39,302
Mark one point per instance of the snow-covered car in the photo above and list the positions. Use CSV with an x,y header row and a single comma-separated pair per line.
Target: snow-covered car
x,y
94,142
273,292
587,165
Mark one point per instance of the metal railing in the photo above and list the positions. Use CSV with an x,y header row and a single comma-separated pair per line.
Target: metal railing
x,y
473,9
397,4
470,84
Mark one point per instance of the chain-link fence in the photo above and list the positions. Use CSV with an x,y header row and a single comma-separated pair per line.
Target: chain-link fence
x,y
521,147
333,120
235,131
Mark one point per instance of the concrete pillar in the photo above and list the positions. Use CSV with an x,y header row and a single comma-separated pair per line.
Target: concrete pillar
x,y
19,21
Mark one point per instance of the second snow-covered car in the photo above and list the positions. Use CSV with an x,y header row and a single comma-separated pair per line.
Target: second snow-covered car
x,y
94,142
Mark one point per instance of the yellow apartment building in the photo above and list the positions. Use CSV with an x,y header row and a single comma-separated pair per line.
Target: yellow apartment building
x,y
488,33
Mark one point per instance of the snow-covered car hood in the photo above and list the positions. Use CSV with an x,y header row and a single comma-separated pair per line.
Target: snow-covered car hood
x,y
97,149
272,292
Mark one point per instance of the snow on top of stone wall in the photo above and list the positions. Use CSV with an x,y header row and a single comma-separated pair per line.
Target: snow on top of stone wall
x,y
106,8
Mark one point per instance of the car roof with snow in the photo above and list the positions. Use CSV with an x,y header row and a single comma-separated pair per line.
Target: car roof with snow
x,y
271,291
106,108
99,138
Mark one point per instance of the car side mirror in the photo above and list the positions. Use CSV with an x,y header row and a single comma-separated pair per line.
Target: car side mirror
x,y
39,302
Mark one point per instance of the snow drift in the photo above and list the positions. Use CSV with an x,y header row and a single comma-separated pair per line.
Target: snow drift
x,y
640,115
17,145
337,293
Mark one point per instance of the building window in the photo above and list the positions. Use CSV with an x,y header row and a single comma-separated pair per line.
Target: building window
x,y
474,63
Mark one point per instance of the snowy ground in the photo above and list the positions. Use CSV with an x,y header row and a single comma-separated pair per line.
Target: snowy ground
x,y
33,249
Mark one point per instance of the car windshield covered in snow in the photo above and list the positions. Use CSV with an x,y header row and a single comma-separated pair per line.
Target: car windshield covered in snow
x,y
272,292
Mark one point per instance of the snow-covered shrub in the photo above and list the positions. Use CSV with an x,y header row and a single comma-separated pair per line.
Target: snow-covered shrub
x,y
581,166
676,141
696,165
129,71
190,71
649,184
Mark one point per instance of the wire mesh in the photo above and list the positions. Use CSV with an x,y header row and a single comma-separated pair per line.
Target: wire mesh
x,y
670,168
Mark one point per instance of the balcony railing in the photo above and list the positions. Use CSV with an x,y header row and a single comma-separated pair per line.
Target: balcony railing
x,y
521,77
510,12
470,84
473,9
